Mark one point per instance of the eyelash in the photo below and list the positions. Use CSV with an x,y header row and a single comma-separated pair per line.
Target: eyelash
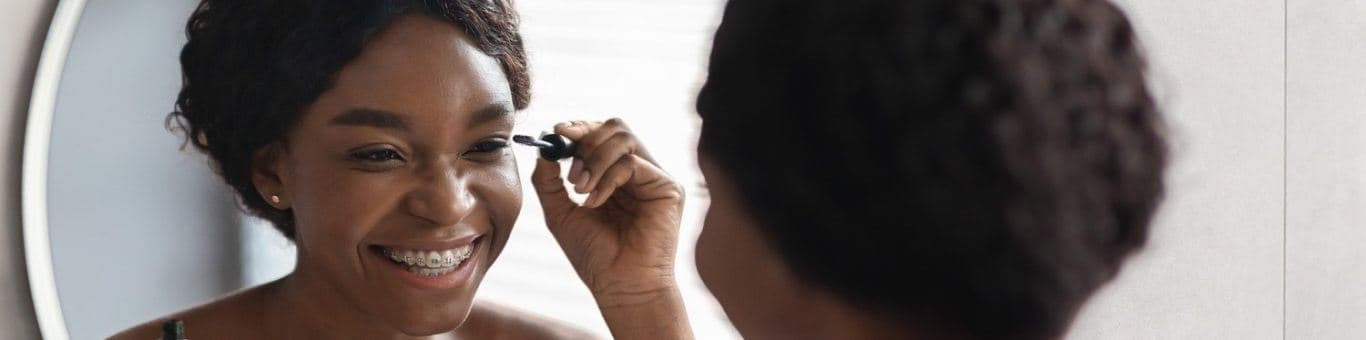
x,y
377,155
489,146
383,155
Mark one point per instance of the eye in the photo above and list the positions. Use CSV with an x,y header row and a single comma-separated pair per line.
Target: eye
x,y
488,146
376,159
377,155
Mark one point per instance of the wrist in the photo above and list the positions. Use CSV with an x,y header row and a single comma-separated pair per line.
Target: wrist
x,y
631,292
645,311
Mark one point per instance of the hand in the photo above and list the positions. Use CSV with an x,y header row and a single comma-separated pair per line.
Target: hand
x,y
623,238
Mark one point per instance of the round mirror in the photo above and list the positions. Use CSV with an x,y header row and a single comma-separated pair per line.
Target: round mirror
x,y
135,226
125,224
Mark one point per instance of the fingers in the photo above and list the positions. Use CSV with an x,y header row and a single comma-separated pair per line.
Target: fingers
x,y
607,153
637,177
577,176
614,177
598,146
602,133
550,188
576,129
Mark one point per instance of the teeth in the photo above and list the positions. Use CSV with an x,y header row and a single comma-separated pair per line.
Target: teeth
x,y
409,257
430,262
432,259
448,258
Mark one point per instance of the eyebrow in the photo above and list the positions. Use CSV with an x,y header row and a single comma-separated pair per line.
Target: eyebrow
x,y
494,111
371,117
393,121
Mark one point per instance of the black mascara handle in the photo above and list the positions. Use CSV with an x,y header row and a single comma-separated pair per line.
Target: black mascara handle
x,y
563,147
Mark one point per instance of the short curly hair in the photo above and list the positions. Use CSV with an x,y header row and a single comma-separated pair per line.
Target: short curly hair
x,y
978,165
251,67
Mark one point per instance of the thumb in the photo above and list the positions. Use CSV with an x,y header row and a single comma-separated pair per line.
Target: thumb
x,y
576,130
550,188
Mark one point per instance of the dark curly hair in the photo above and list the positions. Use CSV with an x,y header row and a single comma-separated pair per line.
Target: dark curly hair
x,y
252,66
982,166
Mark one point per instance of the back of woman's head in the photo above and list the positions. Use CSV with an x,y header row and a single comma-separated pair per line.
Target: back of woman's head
x,y
251,67
984,164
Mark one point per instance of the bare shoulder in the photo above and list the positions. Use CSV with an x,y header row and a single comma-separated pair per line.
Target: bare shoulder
x,y
229,317
489,320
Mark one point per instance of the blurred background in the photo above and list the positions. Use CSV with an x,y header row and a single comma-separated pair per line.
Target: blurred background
x,y
1259,237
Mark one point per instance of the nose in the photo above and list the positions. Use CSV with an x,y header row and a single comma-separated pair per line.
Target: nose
x,y
443,198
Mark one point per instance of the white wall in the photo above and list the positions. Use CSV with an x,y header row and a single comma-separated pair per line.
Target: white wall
x,y
1326,210
22,26
1213,265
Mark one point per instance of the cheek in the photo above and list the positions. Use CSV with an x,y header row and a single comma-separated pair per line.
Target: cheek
x,y
501,192
740,271
707,253
721,261
334,209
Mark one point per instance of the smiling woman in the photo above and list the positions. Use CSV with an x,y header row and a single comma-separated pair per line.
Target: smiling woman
x,y
374,135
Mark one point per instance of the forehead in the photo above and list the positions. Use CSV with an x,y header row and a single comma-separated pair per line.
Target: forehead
x,y
418,66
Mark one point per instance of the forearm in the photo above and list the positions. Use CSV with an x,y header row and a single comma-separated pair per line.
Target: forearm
x,y
646,314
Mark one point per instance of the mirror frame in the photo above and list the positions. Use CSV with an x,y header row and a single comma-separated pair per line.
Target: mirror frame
x,y
33,195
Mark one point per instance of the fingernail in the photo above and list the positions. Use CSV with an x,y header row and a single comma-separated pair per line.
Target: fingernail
x,y
584,177
575,168
598,199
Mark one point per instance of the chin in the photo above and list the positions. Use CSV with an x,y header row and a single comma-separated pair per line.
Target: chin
x,y
416,318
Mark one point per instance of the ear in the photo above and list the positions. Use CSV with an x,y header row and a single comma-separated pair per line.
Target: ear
x,y
270,176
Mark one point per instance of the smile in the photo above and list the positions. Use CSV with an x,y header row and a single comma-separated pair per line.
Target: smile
x,y
429,262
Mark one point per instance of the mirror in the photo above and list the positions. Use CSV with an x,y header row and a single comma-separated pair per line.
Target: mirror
x,y
1260,234
138,227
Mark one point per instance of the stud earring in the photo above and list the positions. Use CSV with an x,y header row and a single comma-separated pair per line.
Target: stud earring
x,y
275,199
